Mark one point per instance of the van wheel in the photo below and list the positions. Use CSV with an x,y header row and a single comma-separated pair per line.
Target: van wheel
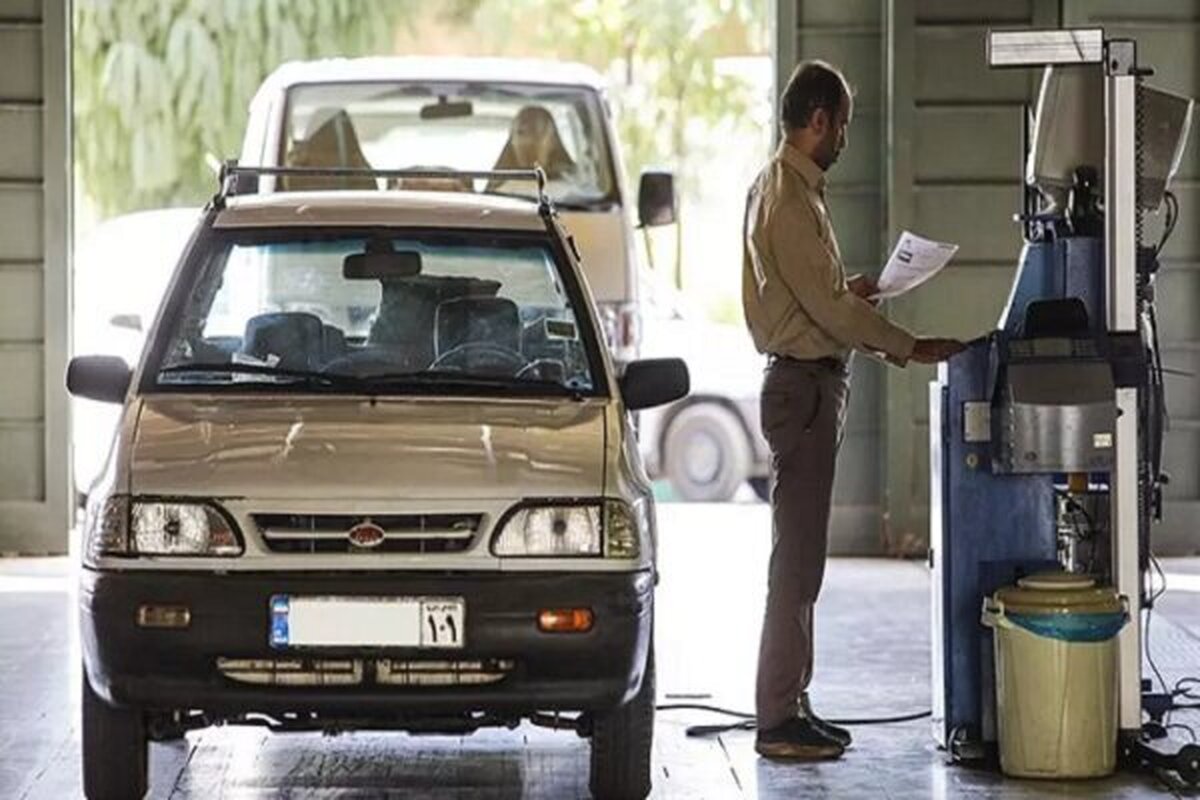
x,y
762,488
114,749
706,453
622,740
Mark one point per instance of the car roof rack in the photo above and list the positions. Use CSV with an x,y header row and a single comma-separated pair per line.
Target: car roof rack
x,y
235,179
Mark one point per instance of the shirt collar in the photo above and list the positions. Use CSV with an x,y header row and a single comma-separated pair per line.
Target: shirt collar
x,y
813,175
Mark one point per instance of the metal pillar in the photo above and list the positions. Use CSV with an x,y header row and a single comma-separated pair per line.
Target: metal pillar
x,y
1120,253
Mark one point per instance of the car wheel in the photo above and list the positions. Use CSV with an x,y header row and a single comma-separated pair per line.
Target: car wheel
x,y
622,740
762,487
706,454
114,749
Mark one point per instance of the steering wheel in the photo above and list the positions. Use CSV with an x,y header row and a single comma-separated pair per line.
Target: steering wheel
x,y
497,353
536,366
365,362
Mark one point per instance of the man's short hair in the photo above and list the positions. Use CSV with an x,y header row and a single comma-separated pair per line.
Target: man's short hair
x,y
813,85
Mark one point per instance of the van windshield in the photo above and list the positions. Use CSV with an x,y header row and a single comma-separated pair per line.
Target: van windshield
x,y
462,126
378,313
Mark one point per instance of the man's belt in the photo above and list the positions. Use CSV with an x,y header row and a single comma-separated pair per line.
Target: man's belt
x,y
827,362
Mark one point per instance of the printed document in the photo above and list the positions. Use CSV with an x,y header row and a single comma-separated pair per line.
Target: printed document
x,y
914,261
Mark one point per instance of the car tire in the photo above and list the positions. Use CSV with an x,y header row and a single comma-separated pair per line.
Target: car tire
x,y
622,741
706,454
114,749
762,487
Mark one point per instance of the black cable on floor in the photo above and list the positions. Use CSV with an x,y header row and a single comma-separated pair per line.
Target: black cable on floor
x,y
747,720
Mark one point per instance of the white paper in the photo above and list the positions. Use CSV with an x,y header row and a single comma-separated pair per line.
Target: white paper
x,y
914,260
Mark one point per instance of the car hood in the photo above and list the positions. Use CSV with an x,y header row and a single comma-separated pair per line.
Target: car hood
x,y
348,449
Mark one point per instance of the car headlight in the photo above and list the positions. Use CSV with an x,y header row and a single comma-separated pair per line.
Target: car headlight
x,y
606,528
122,526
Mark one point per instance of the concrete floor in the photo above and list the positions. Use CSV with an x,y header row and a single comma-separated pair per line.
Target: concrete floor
x,y
873,658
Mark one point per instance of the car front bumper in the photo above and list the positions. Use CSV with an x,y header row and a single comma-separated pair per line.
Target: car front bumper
x,y
166,670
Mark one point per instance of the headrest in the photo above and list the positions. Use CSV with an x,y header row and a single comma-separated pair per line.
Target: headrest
x,y
495,320
296,338
331,142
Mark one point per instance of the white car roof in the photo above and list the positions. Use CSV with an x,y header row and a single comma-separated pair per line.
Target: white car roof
x,y
423,68
404,209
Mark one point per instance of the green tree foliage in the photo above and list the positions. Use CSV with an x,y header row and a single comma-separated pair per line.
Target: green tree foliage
x,y
163,85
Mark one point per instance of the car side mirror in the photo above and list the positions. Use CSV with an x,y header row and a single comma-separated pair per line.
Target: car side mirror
x,y
131,321
103,378
656,198
654,382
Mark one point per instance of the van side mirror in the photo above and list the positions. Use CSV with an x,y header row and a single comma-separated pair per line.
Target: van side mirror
x,y
656,198
103,378
654,382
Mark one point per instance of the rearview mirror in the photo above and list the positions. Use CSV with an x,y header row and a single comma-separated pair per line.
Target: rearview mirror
x,y
381,266
654,382
656,199
447,110
131,321
103,378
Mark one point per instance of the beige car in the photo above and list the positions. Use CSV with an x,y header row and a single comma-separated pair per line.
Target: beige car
x,y
374,470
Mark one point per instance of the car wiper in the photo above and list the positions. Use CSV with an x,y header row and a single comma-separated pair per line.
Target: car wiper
x,y
375,381
323,378
439,377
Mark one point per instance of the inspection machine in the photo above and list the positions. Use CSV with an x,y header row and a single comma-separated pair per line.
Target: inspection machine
x,y
1046,435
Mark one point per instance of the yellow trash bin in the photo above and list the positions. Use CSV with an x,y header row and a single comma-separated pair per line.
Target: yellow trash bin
x,y
1056,675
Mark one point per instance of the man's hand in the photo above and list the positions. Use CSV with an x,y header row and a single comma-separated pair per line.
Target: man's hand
x,y
931,351
864,286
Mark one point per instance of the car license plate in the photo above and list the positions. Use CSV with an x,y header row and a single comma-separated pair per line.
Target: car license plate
x,y
426,622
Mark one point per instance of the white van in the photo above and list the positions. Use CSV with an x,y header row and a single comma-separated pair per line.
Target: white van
x,y
472,114
375,470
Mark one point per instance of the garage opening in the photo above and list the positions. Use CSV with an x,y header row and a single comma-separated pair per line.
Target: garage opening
x,y
161,99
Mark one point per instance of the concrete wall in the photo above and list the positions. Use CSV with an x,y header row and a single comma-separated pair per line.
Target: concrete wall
x,y
849,35
34,178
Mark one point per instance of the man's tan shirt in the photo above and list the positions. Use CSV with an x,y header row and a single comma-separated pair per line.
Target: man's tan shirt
x,y
793,282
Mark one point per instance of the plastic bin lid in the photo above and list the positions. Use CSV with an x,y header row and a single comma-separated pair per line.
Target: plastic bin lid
x,y
1059,593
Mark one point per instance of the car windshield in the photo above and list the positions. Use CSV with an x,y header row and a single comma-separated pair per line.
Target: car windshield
x,y
461,126
378,312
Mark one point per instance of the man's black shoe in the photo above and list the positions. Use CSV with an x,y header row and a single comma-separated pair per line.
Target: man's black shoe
x,y
798,739
839,735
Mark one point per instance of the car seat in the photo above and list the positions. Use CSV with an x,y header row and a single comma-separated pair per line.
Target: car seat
x,y
470,320
332,141
296,338
407,311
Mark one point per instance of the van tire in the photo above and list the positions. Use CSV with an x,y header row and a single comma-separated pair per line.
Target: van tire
x,y
709,431
762,487
622,743
114,749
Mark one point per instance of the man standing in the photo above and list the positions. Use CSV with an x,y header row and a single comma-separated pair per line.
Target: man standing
x,y
807,317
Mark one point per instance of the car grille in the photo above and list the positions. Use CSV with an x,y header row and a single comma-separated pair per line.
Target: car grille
x,y
394,672
353,672
292,671
402,533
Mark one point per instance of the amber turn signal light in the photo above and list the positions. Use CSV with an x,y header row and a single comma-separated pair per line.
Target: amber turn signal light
x,y
565,620
164,617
